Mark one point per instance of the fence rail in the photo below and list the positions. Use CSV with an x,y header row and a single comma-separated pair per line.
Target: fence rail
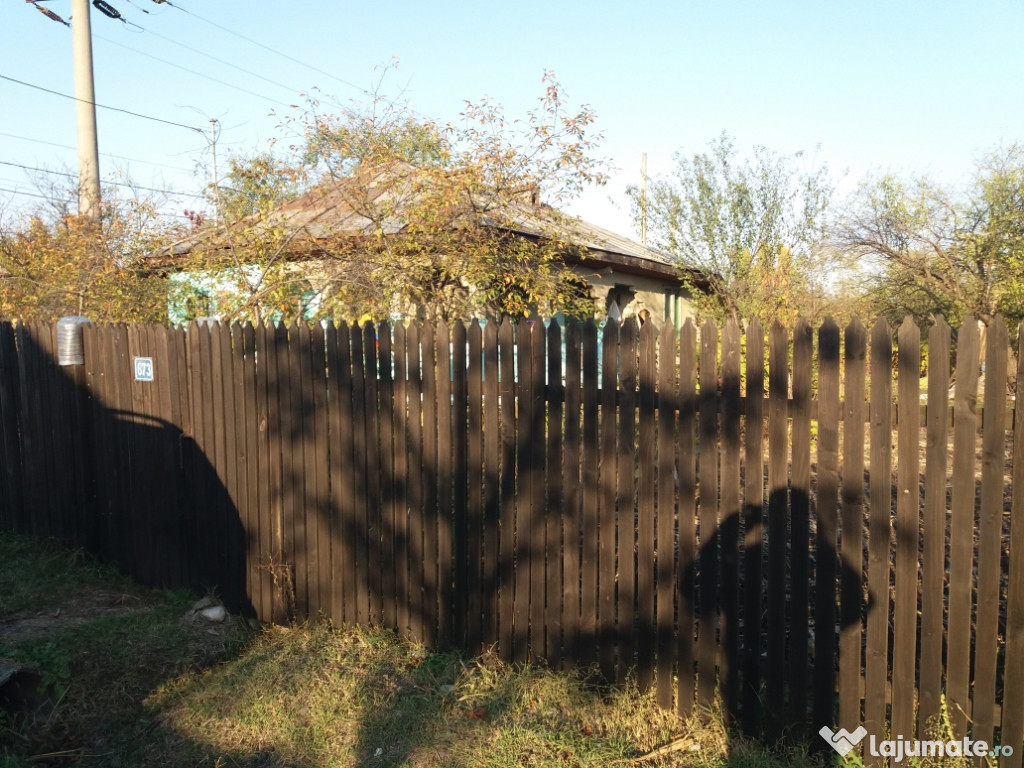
x,y
708,510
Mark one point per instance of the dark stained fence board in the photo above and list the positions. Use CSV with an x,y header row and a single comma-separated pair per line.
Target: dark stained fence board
x,y
645,630
279,429
908,496
754,529
391,507
234,392
852,525
478,568
554,556
800,542
933,556
305,524
524,521
430,483
252,418
374,516
606,503
707,468
445,464
403,558
322,508
454,533
126,523
1012,722
536,527
625,501
687,517
234,579
827,526
418,470
590,493
491,565
14,472
664,577
166,426
293,435
778,524
225,564
573,529
30,430
358,529
729,526
876,699
506,558
986,653
961,535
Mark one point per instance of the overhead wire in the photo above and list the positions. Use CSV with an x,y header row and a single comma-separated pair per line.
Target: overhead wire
x,y
109,182
102,154
221,61
192,71
103,106
26,194
272,50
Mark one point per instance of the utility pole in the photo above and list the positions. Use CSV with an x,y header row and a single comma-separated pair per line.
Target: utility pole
x,y
216,183
85,113
643,198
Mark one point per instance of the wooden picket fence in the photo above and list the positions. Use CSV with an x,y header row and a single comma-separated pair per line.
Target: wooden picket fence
x,y
709,511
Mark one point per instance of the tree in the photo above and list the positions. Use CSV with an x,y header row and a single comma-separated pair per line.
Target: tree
x,y
927,250
754,228
69,265
399,215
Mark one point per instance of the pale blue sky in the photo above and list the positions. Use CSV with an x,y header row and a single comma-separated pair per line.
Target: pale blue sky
x,y
867,86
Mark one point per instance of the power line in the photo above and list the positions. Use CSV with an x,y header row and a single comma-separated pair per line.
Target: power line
x,y
105,181
223,61
192,71
273,50
103,106
26,194
104,154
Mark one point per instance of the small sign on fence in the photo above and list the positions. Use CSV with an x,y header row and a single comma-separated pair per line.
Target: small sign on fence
x,y
143,368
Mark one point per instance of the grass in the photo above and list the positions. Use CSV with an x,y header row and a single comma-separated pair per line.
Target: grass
x,y
128,678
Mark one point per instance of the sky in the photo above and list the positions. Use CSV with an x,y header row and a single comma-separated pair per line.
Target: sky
x,y
866,87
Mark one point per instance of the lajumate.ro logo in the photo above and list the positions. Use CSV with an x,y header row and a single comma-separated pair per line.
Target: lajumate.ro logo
x,y
844,742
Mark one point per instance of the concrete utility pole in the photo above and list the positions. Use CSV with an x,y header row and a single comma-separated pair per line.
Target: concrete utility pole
x,y
85,113
643,198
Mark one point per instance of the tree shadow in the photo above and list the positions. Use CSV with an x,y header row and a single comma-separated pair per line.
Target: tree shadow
x,y
758,678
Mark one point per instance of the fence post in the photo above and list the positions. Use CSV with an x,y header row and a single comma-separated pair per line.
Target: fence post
x,y
71,355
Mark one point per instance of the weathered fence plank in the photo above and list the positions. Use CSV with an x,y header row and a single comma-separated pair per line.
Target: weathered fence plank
x,y
1012,721
573,531
645,519
754,531
961,533
851,547
876,662
554,512
778,525
799,532
933,546
990,530
687,517
606,503
707,516
827,527
667,404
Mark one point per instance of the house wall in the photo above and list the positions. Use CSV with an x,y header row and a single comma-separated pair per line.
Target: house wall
x,y
663,301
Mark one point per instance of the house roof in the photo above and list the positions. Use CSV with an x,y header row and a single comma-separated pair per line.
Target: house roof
x,y
329,210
